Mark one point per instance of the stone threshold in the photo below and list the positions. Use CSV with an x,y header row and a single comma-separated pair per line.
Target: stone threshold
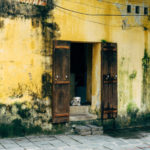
x,y
81,113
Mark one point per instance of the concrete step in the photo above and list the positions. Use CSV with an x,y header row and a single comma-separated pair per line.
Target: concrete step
x,y
88,130
82,117
81,113
79,109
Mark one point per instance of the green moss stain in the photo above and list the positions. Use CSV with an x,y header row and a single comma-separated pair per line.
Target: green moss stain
x,y
23,111
132,110
126,81
32,89
122,79
133,75
146,81
122,61
103,41
146,61
17,92
46,85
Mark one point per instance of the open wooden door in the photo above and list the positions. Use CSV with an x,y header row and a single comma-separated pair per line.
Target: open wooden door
x,y
109,80
61,82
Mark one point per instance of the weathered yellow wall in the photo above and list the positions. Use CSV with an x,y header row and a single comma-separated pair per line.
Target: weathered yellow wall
x,y
130,54
25,72
20,59
76,27
96,78
131,40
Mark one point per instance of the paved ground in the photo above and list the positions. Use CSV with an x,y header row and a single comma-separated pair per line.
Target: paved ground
x,y
111,140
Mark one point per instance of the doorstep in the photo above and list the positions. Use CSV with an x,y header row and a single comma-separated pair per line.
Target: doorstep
x,y
81,113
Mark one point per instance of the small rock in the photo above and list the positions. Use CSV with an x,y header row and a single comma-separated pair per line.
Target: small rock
x,y
47,126
38,122
14,109
35,107
73,126
47,102
23,106
3,110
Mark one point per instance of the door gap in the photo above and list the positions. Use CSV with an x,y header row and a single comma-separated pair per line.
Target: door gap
x,y
81,72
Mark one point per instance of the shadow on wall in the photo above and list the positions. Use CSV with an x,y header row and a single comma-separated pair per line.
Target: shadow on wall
x,y
46,85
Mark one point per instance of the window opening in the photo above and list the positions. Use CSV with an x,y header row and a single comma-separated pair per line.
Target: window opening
x,y
129,9
145,11
137,9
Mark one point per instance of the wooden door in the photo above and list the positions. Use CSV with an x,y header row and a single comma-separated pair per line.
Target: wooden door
x,y
109,80
61,82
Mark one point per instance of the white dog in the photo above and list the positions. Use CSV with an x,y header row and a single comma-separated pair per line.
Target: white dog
x,y
76,101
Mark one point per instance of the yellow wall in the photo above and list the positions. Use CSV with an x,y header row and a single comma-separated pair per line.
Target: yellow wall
x,y
21,62
25,59
131,40
96,78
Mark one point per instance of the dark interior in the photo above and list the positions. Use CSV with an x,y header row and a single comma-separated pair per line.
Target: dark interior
x,y
79,65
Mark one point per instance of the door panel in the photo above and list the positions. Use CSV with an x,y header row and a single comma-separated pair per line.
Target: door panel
x,y
61,81
109,80
61,65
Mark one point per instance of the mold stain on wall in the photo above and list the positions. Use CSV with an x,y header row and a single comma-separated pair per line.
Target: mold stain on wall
x,y
146,81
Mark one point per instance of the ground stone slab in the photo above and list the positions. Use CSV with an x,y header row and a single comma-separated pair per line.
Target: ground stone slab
x,y
95,130
77,142
88,130
69,141
83,130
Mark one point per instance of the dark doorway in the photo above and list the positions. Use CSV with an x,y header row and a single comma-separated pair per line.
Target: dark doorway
x,y
81,71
